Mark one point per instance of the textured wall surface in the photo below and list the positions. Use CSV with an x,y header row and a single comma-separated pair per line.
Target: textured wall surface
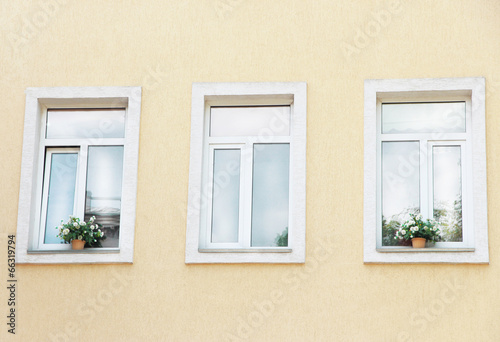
x,y
164,46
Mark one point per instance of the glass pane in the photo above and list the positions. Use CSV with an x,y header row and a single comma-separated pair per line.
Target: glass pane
x,y
270,197
61,194
85,123
243,121
226,196
445,117
400,186
104,190
447,180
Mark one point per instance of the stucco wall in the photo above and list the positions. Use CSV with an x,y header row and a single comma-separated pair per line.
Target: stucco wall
x,y
164,47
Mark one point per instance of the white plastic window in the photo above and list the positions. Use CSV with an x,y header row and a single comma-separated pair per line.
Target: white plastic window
x,y
423,169
248,153
80,156
425,153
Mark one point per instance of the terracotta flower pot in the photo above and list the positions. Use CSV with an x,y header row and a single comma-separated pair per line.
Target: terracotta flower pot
x,y
77,244
418,242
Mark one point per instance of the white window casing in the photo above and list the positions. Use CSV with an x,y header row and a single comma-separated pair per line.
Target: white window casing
x,y
31,248
474,246
205,96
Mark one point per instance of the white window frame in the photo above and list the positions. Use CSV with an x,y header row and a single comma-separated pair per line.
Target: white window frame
x,y
206,95
474,249
38,101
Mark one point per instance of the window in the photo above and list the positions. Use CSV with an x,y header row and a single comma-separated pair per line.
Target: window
x,y
425,153
247,173
80,155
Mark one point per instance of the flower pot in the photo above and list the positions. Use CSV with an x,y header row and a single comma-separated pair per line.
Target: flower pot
x,y
418,242
77,244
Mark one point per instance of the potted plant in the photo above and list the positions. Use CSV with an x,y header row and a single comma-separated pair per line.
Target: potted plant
x,y
80,233
418,231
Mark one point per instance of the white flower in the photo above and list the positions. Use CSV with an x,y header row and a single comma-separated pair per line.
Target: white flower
x,y
83,223
75,224
416,229
419,217
92,219
404,231
79,237
92,227
66,231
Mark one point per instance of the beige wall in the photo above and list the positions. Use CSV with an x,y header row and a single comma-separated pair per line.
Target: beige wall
x,y
164,46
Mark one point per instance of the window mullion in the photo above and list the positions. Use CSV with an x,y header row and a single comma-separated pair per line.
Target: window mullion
x,y
246,195
81,181
425,179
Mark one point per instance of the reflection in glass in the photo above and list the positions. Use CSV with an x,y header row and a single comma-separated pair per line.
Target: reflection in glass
x,y
243,121
270,198
447,181
226,196
61,194
444,117
85,123
104,190
400,186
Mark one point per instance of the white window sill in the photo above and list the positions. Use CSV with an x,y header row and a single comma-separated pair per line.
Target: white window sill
x,y
408,255
422,250
245,250
242,256
72,251
89,256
